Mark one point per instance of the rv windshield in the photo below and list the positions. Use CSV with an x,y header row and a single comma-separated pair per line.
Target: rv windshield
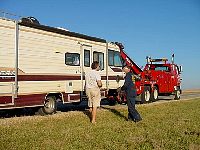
x,y
117,60
114,58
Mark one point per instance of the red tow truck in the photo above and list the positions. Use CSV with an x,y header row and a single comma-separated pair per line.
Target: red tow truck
x,y
158,78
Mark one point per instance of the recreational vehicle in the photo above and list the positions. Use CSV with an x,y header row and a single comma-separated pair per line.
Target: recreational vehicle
x,y
42,65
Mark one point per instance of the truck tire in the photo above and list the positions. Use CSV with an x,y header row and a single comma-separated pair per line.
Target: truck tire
x,y
177,95
145,96
49,106
154,94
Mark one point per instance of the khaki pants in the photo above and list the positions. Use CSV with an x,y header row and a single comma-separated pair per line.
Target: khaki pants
x,y
94,97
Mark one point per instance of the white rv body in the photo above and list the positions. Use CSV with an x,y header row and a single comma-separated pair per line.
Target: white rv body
x,y
35,62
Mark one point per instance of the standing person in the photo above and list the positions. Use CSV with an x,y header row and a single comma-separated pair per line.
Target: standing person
x,y
93,85
129,87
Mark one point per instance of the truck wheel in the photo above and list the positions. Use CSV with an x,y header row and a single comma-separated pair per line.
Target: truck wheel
x,y
154,94
145,96
49,106
177,95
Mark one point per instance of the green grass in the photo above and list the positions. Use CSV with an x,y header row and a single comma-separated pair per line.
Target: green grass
x,y
173,125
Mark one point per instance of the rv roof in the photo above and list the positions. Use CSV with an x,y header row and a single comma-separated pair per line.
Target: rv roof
x,y
60,31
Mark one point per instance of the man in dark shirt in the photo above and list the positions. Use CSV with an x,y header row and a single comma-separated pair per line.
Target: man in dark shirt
x,y
129,88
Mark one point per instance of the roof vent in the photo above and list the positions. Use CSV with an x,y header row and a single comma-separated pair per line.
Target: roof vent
x,y
61,28
30,20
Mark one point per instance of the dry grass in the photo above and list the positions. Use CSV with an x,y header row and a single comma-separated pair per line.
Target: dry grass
x,y
191,91
164,126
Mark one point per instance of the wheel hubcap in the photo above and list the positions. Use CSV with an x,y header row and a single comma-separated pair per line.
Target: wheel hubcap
x,y
155,94
147,95
49,104
178,94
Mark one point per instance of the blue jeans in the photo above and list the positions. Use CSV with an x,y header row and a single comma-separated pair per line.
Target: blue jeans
x,y
132,112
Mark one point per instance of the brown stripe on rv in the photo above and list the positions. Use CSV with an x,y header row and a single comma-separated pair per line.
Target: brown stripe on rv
x,y
111,77
31,100
116,69
34,99
5,99
23,100
50,78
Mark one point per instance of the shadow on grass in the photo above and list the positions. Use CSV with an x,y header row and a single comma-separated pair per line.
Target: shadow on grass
x,y
117,113
87,113
20,112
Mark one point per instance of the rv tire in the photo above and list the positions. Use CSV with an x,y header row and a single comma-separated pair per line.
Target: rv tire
x,y
49,106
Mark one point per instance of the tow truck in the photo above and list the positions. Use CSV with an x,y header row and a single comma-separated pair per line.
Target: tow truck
x,y
158,78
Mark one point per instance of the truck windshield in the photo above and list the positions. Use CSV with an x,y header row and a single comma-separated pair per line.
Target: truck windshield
x,y
162,68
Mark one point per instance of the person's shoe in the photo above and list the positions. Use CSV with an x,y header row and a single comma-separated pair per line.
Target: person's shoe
x,y
129,119
137,120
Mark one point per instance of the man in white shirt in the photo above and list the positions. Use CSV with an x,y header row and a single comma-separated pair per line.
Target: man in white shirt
x,y
93,85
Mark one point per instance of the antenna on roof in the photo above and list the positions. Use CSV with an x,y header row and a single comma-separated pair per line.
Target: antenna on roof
x,y
172,58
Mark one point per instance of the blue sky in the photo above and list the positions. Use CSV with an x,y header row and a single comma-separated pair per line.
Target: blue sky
x,y
157,28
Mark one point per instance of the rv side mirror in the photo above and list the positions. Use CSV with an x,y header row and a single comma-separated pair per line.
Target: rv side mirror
x,y
180,68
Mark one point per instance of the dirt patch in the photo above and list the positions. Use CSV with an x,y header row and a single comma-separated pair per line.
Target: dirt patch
x,y
191,91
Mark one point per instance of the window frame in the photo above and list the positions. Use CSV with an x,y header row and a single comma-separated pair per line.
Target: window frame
x,y
85,50
98,59
72,63
109,50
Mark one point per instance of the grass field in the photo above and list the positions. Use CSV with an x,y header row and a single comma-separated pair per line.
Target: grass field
x,y
173,125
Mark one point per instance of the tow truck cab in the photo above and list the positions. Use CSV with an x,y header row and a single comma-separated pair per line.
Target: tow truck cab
x,y
165,75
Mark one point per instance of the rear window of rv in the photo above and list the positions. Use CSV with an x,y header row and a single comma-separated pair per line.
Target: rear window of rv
x,y
98,56
86,58
72,59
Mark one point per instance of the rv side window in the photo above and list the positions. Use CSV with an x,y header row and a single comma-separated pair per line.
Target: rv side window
x,y
72,59
86,58
114,58
97,56
110,57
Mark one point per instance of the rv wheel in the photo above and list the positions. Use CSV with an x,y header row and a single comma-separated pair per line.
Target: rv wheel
x,y
49,106
76,103
145,96
177,95
112,101
154,94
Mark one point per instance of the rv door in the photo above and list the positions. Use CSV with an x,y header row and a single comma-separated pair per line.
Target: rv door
x,y
9,32
86,52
